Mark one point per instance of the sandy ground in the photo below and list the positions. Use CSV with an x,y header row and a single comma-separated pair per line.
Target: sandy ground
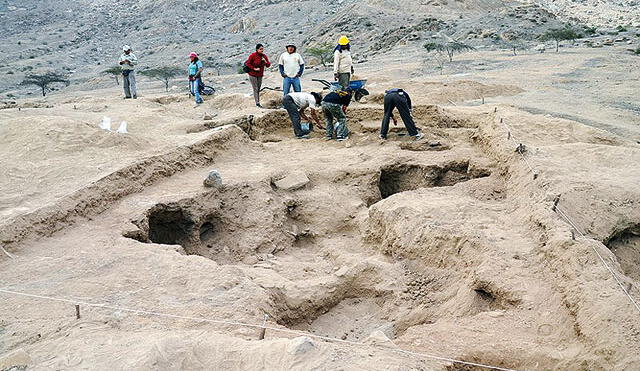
x,y
448,247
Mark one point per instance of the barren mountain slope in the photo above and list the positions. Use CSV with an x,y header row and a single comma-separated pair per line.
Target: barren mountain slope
x,y
610,13
84,37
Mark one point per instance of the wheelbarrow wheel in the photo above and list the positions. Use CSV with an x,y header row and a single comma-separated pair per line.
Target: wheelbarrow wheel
x,y
360,93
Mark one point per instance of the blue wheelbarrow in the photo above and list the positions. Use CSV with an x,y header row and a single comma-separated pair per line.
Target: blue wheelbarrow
x,y
355,85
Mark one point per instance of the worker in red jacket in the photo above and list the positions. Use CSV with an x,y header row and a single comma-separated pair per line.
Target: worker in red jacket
x,y
256,64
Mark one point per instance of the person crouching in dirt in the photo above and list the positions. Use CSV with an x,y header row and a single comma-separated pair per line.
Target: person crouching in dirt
x,y
128,62
256,63
295,104
398,98
334,106
195,76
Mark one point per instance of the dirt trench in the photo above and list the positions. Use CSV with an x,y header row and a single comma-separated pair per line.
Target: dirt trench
x,y
325,277
103,193
625,245
311,248
274,125
403,177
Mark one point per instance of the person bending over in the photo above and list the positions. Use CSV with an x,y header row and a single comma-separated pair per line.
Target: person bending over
x,y
296,103
398,98
334,106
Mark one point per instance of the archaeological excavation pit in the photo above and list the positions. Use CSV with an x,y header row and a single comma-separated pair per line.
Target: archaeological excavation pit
x,y
398,178
226,226
625,245
170,225
351,319
348,310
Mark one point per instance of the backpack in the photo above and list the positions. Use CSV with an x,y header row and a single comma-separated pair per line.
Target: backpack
x,y
343,96
245,68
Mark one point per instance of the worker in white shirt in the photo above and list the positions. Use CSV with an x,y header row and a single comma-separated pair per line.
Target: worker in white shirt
x,y
291,67
296,103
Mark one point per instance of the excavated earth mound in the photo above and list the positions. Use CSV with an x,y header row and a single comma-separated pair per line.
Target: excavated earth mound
x,y
451,248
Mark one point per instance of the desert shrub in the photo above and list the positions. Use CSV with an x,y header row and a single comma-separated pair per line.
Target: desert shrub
x,y
323,52
449,48
560,34
45,80
164,74
590,30
114,71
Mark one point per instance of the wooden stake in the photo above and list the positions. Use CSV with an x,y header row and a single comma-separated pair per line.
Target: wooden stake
x,y
77,311
263,330
555,202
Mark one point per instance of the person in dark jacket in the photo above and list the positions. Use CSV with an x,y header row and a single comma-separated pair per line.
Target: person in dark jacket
x,y
257,62
398,98
334,106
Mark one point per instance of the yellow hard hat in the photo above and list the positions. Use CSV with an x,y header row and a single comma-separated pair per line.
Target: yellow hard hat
x,y
343,40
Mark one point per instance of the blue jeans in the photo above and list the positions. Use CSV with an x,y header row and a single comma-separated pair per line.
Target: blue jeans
x,y
288,81
195,90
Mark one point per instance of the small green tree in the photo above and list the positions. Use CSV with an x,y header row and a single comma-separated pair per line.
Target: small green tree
x,y
164,74
115,72
560,34
45,79
449,48
323,52
637,51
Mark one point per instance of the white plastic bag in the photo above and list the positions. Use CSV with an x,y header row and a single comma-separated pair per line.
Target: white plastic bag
x,y
105,124
123,128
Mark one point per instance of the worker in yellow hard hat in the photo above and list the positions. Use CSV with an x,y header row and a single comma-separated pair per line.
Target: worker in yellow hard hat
x,y
342,62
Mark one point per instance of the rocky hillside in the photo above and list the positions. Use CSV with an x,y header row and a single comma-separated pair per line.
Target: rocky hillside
x,y
606,14
83,37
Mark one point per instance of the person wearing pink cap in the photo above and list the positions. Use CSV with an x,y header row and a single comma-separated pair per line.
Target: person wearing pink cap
x,y
195,76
